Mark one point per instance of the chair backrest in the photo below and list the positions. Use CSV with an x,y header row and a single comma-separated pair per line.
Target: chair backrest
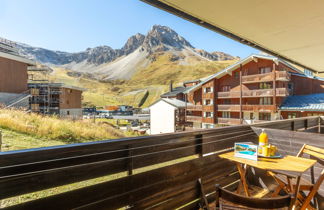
x,y
317,154
314,152
239,201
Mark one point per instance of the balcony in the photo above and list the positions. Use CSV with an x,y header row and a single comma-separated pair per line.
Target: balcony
x,y
228,107
268,77
229,121
194,108
208,95
157,182
193,118
259,108
249,108
229,94
282,92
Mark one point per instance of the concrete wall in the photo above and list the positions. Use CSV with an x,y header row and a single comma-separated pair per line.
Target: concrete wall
x,y
162,118
13,76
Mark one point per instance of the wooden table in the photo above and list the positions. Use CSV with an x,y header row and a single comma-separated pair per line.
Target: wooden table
x,y
292,164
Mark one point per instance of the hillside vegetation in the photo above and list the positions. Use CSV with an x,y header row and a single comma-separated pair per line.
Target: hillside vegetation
x,y
53,128
147,83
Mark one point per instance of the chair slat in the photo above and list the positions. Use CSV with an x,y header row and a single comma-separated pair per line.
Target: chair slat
x,y
315,154
316,149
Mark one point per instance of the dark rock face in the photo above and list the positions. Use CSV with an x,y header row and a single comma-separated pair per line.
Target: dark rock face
x,y
158,39
132,44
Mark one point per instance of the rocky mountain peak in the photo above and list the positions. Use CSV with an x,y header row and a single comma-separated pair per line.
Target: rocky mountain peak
x,y
133,43
163,35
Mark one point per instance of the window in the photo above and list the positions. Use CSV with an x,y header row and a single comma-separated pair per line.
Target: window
x,y
208,102
264,70
292,115
208,114
226,115
208,90
265,101
265,116
227,101
226,88
265,85
251,116
67,112
290,87
236,74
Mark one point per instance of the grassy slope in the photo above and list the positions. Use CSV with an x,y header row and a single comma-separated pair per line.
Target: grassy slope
x,y
155,78
52,129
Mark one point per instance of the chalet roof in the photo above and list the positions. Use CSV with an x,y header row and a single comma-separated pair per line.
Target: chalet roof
x,y
174,92
312,102
191,81
246,60
173,102
17,58
296,34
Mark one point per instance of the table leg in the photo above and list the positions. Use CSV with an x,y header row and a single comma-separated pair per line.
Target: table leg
x,y
242,172
297,189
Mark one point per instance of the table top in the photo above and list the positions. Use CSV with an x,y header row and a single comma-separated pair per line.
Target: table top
x,y
287,163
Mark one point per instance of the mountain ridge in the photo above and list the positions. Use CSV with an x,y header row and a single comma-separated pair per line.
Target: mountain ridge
x,y
106,63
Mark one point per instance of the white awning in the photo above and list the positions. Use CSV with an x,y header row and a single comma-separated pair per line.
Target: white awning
x,y
289,29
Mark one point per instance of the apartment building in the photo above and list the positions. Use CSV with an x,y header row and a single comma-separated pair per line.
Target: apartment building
x,y
250,91
13,76
56,98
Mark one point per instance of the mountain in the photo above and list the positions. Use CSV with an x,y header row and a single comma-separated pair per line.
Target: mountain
x,y
139,51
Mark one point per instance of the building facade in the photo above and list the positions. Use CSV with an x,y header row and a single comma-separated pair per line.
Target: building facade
x,y
13,76
167,115
56,98
250,91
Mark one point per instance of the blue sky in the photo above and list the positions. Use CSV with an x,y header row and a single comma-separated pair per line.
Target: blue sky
x,y
74,25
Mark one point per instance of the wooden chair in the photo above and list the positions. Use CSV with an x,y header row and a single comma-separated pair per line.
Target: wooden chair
x,y
287,182
229,200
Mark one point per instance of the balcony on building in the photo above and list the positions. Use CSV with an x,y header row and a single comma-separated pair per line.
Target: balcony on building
x,y
228,121
280,92
266,77
194,107
246,107
192,118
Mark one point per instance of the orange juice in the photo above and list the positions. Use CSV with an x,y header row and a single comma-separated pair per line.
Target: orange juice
x,y
263,138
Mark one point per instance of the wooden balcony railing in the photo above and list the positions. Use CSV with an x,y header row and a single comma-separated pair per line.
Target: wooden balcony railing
x,y
193,118
259,108
280,76
229,121
194,107
228,107
254,93
249,107
33,170
208,95
229,94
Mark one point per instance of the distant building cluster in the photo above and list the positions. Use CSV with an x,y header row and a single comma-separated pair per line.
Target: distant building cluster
x,y
23,84
256,89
